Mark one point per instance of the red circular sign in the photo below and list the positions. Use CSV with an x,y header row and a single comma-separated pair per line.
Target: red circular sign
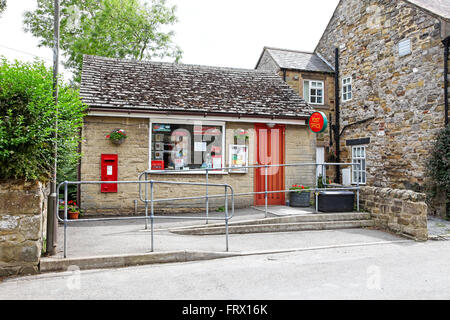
x,y
317,122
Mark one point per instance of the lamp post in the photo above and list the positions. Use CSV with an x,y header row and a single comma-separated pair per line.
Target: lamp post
x,y
52,222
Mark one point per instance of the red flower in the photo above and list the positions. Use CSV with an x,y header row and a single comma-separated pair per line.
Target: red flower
x,y
303,187
108,136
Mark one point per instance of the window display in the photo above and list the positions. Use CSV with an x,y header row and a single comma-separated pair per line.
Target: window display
x,y
186,146
238,157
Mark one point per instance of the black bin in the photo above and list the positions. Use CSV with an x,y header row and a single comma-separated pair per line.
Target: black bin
x,y
336,201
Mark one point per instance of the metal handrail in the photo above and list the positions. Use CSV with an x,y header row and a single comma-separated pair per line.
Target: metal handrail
x,y
207,196
207,171
146,217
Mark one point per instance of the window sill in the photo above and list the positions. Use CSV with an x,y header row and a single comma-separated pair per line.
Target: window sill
x,y
186,172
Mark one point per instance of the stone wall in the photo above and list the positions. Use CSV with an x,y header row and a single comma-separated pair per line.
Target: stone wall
x,y
133,159
404,94
23,212
400,211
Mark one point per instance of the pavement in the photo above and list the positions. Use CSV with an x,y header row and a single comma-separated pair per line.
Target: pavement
x,y
123,243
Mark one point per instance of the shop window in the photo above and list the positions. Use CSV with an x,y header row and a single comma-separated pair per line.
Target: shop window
x,y
347,89
313,91
359,156
187,146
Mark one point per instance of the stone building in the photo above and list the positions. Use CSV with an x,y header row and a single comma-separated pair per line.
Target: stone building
x,y
183,119
391,85
312,77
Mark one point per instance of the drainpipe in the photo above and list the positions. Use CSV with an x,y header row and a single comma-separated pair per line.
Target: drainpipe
x,y
337,112
284,75
446,43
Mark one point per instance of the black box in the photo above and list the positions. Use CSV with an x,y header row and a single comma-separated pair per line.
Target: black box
x,y
336,201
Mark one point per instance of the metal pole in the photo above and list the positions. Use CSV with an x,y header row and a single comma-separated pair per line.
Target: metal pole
x,y
357,193
226,218
316,195
207,200
146,201
52,223
265,190
151,212
65,219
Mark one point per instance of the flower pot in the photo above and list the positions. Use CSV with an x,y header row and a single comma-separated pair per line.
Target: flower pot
x,y
299,199
117,142
73,215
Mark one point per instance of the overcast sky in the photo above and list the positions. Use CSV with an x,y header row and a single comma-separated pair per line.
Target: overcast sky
x,y
228,33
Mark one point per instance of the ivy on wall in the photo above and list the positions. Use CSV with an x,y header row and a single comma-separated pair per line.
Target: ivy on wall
x,y
439,169
27,121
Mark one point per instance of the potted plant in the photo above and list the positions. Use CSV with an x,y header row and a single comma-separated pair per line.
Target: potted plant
x,y
299,196
73,210
117,136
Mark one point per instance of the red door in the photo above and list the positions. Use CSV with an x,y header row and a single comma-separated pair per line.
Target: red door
x,y
269,150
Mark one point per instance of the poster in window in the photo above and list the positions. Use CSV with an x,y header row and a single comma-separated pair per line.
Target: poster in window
x,y
217,162
238,157
159,146
159,137
159,155
161,127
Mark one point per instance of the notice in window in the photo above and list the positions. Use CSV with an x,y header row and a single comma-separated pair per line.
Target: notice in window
x,y
200,146
217,162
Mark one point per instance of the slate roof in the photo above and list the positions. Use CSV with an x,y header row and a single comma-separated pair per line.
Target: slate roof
x,y
166,87
298,60
438,7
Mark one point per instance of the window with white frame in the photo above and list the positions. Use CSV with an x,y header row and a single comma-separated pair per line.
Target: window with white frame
x,y
347,89
359,157
313,91
177,145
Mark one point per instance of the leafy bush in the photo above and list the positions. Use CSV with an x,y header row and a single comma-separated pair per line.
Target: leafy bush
x,y
439,168
27,121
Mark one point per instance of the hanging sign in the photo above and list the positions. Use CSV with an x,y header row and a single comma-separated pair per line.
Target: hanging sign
x,y
317,122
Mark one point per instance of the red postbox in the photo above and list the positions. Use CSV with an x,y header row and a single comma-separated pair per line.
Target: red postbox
x,y
109,164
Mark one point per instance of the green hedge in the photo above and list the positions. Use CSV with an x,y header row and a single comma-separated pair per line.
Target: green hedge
x,y
27,117
439,168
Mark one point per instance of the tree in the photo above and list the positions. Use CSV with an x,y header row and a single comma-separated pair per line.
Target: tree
x,y
2,6
110,28
27,114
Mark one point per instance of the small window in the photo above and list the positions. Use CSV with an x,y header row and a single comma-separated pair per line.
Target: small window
x,y
313,91
359,157
404,47
347,89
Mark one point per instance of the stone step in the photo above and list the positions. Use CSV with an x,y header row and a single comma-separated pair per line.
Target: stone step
x,y
321,217
273,227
